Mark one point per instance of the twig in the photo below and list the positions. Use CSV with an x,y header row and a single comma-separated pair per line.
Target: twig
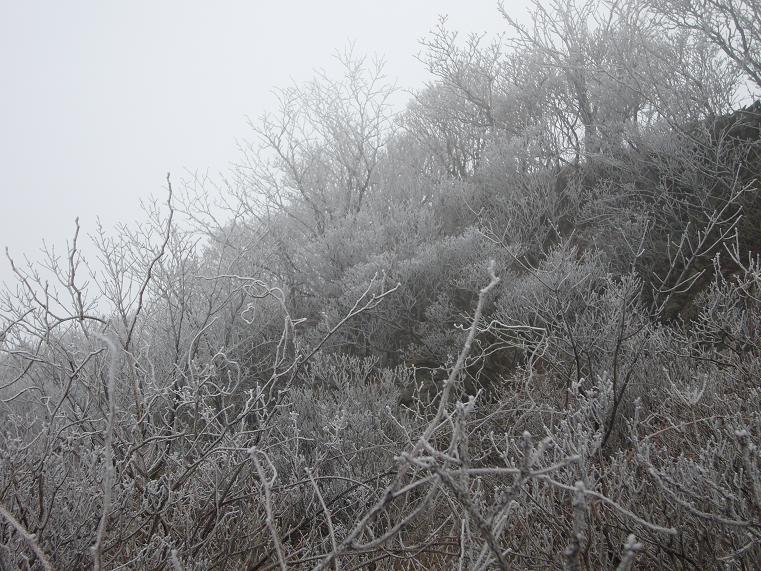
x,y
270,519
108,464
328,517
154,261
30,538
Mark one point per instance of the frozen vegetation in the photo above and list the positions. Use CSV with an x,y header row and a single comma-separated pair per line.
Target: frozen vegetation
x,y
516,325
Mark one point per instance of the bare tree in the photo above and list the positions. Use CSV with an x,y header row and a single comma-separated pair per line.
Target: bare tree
x,y
731,25
318,153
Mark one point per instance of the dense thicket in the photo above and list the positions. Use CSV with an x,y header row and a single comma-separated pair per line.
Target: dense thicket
x,y
516,325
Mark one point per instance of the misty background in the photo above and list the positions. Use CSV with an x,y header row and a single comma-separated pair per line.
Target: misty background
x,y
513,326
100,100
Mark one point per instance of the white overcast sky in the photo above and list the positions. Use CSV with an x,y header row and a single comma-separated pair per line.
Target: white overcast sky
x,y
99,99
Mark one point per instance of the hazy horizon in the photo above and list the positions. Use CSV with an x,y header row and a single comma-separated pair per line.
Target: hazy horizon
x,y
102,100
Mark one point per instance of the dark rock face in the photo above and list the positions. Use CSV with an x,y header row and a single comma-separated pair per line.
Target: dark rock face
x,y
742,125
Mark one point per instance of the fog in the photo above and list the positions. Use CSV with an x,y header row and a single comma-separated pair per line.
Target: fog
x,y
101,100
